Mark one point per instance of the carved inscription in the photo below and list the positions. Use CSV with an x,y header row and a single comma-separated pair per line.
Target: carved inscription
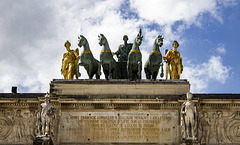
x,y
120,127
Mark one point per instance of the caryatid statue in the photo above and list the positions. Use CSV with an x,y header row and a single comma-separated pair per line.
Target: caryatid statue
x,y
45,116
173,61
70,62
189,119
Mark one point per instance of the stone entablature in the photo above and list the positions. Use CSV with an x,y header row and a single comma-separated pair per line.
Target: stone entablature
x,y
126,119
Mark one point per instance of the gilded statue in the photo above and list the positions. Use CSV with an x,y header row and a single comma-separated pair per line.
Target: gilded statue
x,y
173,61
189,119
70,62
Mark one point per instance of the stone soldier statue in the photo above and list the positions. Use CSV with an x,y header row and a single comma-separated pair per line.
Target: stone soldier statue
x,y
45,116
46,113
189,119
122,54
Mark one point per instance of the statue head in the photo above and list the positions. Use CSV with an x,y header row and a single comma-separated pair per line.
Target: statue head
x,y
18,112
81,41
47,98
214,115
139,38
205,114
67,45
159,40
102,40
175,44
189,96
125,38
220,114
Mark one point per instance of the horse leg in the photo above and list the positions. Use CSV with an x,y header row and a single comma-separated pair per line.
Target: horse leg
x,y
90,73
130,73
139,70
105,73
147,72
154,75
114,70
151,71
109,71
98,71
161,74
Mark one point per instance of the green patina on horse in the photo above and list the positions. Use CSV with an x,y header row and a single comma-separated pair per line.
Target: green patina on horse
x,y
154,61
134,63
107,61
92,66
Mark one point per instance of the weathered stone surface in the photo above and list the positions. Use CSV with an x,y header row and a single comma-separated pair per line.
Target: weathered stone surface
x,y
102,119
119,126
119,87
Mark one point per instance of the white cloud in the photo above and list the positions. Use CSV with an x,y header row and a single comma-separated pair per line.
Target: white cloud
x,y
200,75
221,50
168,12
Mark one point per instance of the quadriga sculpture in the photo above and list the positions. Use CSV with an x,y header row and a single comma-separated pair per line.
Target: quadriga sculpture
x,y
134,63
92,66
106,59
154,61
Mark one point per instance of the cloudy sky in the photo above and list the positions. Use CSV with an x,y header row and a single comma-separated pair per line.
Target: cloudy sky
x,y
33,33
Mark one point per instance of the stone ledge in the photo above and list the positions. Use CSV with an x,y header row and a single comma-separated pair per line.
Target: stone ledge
x,y
118,144
117,81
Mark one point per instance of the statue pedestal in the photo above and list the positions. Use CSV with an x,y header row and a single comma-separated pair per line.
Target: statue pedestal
x,y
61,87
190,142
42,140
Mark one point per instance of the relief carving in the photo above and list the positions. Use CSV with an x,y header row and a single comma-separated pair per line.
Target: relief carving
x,y
220,128
204,127
213,129
233,128
19,127
6,125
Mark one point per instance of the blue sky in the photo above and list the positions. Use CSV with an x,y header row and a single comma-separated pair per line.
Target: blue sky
x,y
33,34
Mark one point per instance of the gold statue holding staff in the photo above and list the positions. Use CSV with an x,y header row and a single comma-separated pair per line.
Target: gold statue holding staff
x,y
70,62
173,61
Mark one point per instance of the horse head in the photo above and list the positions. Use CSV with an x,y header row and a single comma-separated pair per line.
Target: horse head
x,y
81,41
102,39
159,40
139,38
